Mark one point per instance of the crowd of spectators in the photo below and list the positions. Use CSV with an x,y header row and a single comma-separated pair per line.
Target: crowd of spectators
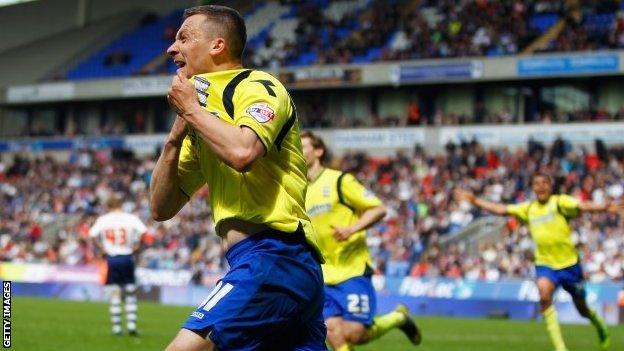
x,y
418,190
439,29
47,207
407,30
593,25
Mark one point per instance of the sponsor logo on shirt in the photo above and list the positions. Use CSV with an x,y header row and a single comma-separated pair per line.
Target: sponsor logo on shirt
x,y
541,219
261,112
319,209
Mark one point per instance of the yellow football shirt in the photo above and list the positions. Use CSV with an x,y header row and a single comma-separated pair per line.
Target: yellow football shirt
x,y
272,190
549,227
337,199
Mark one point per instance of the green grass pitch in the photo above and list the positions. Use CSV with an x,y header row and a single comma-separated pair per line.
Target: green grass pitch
x,y
56,325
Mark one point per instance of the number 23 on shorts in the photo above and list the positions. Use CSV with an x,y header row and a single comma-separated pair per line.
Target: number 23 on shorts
x,y
358,303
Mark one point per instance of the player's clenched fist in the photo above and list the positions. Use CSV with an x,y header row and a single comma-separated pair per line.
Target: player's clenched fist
x,y
182,96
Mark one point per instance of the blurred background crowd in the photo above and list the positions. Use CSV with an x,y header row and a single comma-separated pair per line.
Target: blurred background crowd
x,y
407,30
47,207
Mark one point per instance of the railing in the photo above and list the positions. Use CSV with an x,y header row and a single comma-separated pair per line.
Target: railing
x,y
375,141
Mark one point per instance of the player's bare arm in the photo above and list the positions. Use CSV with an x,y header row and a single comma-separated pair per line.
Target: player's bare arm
x,y
469,196
237,146
607,206
166,197
368,218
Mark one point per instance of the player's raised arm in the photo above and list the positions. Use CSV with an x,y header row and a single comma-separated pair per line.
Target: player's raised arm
x,y
589,206
571,207
166,194
469,196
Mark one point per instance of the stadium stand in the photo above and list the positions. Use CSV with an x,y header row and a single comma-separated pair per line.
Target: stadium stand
x,y
387,83
50,205
61,50
363,31
285,33
126,55
51,31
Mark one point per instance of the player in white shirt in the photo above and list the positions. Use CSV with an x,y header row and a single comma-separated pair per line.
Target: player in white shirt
x,y
118,236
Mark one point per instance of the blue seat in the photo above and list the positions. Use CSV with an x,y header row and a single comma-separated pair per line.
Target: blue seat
x,y
599,23
143,44
543,21
306,59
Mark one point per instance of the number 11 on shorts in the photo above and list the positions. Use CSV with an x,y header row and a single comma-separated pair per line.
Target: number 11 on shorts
x,y
216,295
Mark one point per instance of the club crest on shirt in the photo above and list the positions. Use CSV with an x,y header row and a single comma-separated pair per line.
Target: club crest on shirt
x,y
201,87
261,112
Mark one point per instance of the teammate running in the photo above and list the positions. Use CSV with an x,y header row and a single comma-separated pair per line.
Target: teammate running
x,y
341,209
556,258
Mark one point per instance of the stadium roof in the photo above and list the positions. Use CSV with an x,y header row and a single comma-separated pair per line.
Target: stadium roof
x,y
12,2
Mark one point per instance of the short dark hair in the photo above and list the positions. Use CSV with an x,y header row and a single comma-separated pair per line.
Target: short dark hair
x,y
317,143
232,23
541,175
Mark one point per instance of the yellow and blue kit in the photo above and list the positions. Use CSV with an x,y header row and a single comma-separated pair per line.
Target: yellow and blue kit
x,y
556,257
337,199
272,296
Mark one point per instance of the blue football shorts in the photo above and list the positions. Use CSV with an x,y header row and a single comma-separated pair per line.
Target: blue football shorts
x,y
353,300
271,299
120,270
570,279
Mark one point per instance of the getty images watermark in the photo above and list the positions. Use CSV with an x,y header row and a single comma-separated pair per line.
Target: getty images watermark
x,y
6,314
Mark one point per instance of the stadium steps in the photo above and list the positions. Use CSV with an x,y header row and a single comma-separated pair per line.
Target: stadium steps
x,y
50,57
573,12
484,230
544,40
52,228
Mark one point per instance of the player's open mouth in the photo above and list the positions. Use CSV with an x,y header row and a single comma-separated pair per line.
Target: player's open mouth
x,y
180,64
